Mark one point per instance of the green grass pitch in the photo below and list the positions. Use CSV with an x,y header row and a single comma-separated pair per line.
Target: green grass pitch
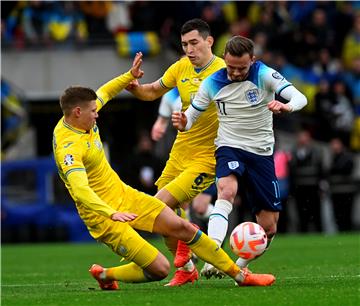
x,y
310,270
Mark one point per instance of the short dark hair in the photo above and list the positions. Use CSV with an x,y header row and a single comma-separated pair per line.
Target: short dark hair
x,y
196,24
75,96
239,45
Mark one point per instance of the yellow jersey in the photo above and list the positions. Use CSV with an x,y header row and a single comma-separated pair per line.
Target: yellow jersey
x,y
198,142
79,155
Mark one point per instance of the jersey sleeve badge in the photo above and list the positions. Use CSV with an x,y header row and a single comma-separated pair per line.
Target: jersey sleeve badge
x,y
68,160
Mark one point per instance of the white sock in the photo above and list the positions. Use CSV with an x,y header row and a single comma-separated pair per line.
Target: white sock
x,y
103,274
189,266
218,221
242,263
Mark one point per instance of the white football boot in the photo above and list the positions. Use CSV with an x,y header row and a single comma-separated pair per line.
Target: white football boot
x,y
209,271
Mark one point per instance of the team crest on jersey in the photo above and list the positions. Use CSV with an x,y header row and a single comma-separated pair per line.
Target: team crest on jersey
x,y
196,81
252,96
277,75
98,144
68,160
233,164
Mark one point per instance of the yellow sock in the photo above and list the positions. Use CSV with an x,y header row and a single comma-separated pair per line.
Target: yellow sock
x,y
207,250
129,273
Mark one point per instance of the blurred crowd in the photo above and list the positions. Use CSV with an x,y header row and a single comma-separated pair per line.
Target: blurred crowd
x,y
314,44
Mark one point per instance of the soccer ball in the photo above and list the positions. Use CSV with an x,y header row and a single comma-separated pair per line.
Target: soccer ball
x,y
248,240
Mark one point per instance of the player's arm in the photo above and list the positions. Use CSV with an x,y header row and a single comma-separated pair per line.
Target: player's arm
x,y
83,193
296,101
112,88
183,121
147,92
170,102
286,90
154,90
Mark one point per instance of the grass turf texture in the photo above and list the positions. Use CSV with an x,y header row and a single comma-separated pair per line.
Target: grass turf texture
x,y
310,270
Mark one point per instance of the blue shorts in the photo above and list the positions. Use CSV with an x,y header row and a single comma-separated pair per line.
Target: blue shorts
x,y
255,173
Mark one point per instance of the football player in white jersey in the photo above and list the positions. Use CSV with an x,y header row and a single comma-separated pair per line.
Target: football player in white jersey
x,y
244,93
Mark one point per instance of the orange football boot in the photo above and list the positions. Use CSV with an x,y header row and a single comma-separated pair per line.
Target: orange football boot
x,y
95,271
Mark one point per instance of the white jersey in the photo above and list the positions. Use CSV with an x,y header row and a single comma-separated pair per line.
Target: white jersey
x,y
170,102
245,122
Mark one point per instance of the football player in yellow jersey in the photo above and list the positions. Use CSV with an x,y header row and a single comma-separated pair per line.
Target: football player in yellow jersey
x,y
190,168
112,210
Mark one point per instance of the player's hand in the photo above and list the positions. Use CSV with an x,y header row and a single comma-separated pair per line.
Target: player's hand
x,y
135,69
277,107
158,130
179,120
123,216
132,85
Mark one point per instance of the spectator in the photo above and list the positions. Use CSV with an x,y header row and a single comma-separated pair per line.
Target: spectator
x,y
323,111
34,18
14,116
95,13
326,67
342,111
281,160
143,167
351,47
342,186
238,27
306,172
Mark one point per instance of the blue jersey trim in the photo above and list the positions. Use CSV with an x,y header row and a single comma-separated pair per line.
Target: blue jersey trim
x,y
196,238
72,129
197,107
218,215
282,88
254,73
163,85
198,70
73,170
101,101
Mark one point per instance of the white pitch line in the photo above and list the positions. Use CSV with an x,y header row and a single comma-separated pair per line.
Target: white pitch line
x,y
67,284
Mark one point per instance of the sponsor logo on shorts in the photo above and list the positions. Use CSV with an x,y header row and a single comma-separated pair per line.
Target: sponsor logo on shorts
x,y
233,164
122,250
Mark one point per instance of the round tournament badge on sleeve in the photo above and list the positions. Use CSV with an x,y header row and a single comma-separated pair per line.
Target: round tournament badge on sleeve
x,y
68,160
277,75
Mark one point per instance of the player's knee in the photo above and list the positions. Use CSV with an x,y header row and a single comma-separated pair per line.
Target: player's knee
x,y
270,230
158,272
163,271
157,275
